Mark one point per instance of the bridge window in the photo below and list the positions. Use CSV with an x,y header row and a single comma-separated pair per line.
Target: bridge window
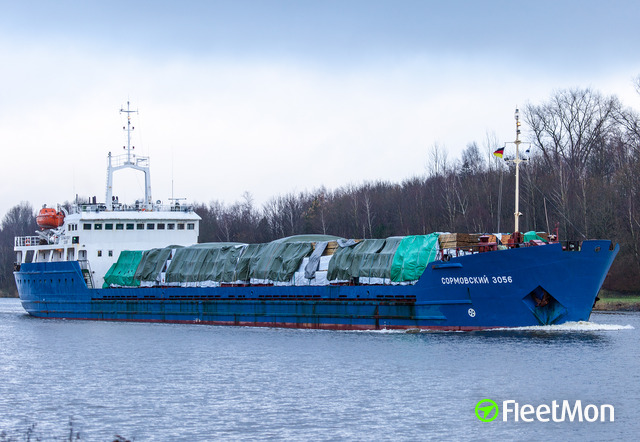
x,y
180,226
119,226
160,226
108,226
86,226
97,226
151,226
171,226
191,226
129,226
140,226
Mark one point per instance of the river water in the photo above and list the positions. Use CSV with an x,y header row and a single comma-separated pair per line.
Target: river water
x,y
195,382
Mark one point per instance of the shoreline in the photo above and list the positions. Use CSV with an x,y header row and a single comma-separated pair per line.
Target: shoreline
x,y
611,301
617,306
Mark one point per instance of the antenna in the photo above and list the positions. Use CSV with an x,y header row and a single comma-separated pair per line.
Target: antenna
x,y
128,128
175,202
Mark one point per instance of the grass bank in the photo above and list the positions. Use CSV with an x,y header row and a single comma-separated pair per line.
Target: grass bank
x,y
616,301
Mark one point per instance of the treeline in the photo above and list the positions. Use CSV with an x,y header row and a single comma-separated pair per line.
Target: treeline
x,y
581,177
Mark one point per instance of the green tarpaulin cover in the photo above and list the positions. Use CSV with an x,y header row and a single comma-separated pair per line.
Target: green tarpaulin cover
x,y
278,261
123,271
152,264
528,236
228,262
205,262
412,256
185,264
251,254
396,258
220,264
359,260
380,263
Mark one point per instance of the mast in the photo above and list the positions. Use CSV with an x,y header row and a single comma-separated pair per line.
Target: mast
x,y
130,161
128,128
517,162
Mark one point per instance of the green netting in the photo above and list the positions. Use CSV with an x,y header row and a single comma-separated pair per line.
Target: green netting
x,y
152,263
528,236
123,271
278,261
412,256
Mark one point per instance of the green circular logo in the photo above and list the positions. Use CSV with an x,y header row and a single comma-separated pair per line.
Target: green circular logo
x,y
486,410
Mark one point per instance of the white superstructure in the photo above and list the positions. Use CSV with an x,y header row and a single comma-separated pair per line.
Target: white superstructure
x,y
95,234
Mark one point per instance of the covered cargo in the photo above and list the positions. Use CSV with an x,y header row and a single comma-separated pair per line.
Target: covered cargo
x,y
412,256
221,263
216,263
204,262
153,263
396,259
360,260
250,255
278,261
122,272
536,236
298,260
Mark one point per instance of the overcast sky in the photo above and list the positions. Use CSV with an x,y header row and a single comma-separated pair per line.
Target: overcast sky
x,y
272,97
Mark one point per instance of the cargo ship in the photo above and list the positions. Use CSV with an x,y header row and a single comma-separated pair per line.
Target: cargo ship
x,y
142,262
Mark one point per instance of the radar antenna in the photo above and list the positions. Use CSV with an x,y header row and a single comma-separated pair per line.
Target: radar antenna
x,y
129,161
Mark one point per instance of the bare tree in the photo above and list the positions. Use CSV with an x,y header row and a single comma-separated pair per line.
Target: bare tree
x,y
437,161
472,161
368,211
19,220
566,130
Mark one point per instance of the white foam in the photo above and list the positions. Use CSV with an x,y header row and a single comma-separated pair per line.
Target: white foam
x,y
571,326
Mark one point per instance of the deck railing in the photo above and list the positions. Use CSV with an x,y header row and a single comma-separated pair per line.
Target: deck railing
x,y
117,207
30,241
24,241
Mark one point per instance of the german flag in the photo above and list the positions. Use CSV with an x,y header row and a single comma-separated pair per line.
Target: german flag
x,y
499,152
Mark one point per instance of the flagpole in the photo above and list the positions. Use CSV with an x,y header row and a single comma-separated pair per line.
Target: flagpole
x,y
517,162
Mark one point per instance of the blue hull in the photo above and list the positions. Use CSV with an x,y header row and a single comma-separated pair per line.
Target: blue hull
x,y
509,288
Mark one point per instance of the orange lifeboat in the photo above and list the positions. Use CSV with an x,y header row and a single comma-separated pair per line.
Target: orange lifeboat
x,y
49,218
